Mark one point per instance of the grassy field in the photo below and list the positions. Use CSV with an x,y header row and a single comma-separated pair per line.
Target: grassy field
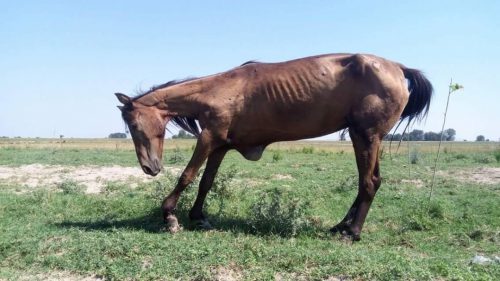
x,y
271,217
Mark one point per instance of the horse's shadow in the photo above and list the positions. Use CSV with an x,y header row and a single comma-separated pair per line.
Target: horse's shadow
x,y
152,222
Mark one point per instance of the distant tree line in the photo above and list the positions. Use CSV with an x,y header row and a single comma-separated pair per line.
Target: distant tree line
x,y
117,136
183,135
482,138
419,135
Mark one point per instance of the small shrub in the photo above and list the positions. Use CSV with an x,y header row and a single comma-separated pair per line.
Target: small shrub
x,y
414,157
160,188
275,213
113,187
476,235
277,156
346,184
422,218
176,157
497,155
71,187
324,153
436,210
460,156
416,221
221,187
308,150
483,159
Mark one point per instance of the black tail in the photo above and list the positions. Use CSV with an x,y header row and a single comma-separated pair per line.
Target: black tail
x,y
420,95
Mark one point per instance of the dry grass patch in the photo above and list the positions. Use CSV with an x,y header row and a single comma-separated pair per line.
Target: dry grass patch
x,y
481,175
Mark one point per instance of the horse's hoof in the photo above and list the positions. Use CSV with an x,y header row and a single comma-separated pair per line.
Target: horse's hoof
x,y
173,225
346,232
339,228
335,230
204,224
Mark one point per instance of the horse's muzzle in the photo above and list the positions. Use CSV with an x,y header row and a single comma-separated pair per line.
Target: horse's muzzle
x,y
152,169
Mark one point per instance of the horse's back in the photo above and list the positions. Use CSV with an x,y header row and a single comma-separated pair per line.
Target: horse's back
x,y
318,95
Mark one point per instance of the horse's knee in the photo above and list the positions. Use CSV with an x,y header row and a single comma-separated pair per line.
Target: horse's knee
x,y
185,179
368,189
377,181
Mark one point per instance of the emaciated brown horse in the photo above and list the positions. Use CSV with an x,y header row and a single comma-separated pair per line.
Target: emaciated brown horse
x,y
253,105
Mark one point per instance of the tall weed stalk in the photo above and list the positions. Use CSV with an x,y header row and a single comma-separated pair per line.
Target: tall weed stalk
x,y
452,88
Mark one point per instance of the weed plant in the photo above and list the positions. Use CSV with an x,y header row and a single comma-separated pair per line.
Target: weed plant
x,y
277,156
276,213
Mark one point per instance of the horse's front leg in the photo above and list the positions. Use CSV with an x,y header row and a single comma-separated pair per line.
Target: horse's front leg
x,y
204,147
213,163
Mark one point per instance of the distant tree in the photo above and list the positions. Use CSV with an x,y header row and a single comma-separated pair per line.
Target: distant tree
x,y
117,136
431,136
480,138
183,135
397,137
449,134
417,135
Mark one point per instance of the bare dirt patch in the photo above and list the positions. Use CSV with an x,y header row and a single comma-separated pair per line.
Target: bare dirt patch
x,y
94,178
483,175
59,276
415,182
247,182
230,273
282,177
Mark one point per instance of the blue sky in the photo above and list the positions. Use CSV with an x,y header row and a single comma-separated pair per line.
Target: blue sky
x,y
61,61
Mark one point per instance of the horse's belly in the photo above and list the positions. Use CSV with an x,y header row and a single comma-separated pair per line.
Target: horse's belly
x,y
252,153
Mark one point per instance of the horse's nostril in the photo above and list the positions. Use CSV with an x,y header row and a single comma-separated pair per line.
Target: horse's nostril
x,y
147,170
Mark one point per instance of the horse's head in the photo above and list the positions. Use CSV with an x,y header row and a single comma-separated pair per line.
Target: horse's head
x,y
147,127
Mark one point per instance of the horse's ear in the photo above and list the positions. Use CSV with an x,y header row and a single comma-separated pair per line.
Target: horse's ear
x,y
124,99
120,107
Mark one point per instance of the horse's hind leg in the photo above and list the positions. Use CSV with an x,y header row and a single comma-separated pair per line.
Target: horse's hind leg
x,y
366,147
346,222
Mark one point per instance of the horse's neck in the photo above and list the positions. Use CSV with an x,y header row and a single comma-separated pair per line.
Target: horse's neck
x,y
180,99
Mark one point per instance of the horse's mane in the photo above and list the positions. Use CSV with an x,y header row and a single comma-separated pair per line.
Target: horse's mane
x,y
186,123
250,62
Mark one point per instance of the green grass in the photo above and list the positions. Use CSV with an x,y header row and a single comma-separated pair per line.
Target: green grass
x,y
18,156
271,219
